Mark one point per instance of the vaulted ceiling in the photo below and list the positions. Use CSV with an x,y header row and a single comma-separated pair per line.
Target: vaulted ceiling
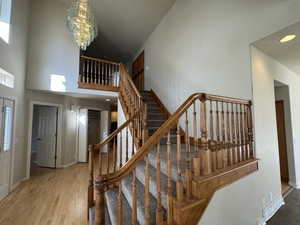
x,y
288,53
124,25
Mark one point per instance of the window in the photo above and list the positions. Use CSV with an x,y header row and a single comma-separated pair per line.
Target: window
x,y
8,128
6,78
5,14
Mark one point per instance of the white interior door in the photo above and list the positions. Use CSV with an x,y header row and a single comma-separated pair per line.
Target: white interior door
x,y
82,135
46,133
6,134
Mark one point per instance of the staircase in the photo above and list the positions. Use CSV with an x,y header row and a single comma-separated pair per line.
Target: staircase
x,y
162,168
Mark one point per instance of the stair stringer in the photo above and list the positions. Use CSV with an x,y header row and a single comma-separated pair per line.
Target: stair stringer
x,y
204,188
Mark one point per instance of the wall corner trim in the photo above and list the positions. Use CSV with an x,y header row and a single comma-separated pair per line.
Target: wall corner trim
x,y
294,185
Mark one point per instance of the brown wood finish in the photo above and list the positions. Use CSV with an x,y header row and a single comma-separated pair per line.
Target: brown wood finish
x,y
138,69
280,118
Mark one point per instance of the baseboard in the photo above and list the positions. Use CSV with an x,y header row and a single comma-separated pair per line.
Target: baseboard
x,y
294,185
270,211
18,183
69,164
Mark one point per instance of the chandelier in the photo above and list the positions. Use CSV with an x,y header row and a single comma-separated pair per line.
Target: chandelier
x,y
82,23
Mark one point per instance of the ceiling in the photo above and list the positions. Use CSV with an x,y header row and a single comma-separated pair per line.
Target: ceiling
x,y
124,25
288,53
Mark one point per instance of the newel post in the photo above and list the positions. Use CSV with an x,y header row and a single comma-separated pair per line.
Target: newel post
x,y
206,154
250,131
145,125
91,179
100,204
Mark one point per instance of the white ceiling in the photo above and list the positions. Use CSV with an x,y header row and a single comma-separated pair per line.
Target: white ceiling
x,y
124,25
288,53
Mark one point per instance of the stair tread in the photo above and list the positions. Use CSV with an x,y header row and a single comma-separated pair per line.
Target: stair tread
x,y
140,199
112,207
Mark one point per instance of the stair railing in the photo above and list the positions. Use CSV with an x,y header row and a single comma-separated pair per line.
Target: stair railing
x,y
218,136
99,74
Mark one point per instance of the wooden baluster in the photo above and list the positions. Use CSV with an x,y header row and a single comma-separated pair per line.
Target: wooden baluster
x,y
91,178
223,143
120,205
102,73
106,74
87,71
159,210
238,148
179,183
127,145
206,154
145,128
246,132
113,75
242,133
234,148
99,204
100,162
250,133
134,199
219,153
147,192
97,73
107,158
115,153
169,184
93,72
212,136
228,144
196,158
133,139
121,152
187,137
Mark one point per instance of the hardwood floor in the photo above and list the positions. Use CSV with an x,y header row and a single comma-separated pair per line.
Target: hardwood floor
x,y
50,197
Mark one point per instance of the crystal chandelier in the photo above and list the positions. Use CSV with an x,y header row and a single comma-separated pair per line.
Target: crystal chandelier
x,y
82,23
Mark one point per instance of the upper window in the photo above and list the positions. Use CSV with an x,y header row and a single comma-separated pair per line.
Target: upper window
x,y
6,78
5,13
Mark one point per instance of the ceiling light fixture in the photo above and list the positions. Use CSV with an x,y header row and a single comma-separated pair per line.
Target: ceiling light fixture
x,y
108,100
82,23
288,38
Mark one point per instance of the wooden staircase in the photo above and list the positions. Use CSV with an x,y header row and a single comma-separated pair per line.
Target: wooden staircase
x,y
164,169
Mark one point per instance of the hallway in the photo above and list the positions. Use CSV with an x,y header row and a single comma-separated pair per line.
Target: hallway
x,y
50,197
289,213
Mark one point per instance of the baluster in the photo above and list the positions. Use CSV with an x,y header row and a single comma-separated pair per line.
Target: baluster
x,y
120,205
107,158
218,146
100,204
126,144
97,73
211,118
94,71
87,70
121,147
196,158
100,162
242,132
134,199
228,144
102,73
159,210
179,184
238,134
147,192
170,189
223,143
234,148
106,74
206,154
250,133
246,133
195,127
115,153
133,139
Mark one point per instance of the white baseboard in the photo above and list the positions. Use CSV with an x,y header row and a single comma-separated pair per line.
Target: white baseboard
x,y
294,185
270,211
68,165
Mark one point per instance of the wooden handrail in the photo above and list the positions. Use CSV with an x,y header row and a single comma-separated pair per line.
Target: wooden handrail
x,y
144,150
116,132
100,60
124,72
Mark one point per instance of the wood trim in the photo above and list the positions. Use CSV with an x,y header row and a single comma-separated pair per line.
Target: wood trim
x,y
99,60
98,87
160,104
124,72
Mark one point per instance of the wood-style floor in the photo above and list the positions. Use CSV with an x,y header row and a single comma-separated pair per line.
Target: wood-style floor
x,y
50,197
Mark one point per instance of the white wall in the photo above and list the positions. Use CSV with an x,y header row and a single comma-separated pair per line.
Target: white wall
x,y
282,93
70,120
203,46
13,60
53,57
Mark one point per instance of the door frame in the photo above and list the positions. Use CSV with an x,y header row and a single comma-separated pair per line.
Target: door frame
x,y
58,138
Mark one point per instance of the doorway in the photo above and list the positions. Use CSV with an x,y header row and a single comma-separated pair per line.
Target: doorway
x,y
138,71
44,137
284,133
7,107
